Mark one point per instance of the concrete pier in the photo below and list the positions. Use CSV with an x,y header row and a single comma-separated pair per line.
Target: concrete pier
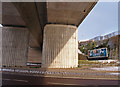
x,y
14,46
60,46
34,55
49,21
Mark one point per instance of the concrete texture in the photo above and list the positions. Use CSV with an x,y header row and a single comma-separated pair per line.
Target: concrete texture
x,y
68,12
0,12
34,55
32,42
10,15
35,15
60,46
0,47
14,46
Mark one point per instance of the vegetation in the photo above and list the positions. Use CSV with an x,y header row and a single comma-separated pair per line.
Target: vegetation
x,y
84,48
86,62
82,63
112,45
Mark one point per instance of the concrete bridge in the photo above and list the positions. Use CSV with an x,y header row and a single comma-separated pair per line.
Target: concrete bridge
x,y
42,30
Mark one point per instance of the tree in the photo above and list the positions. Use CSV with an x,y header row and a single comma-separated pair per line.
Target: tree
x,y
93,45
82,49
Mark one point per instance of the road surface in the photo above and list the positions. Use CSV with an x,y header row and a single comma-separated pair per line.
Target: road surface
x,y
20,79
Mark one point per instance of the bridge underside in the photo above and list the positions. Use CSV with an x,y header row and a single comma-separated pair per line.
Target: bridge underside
x,y
52,28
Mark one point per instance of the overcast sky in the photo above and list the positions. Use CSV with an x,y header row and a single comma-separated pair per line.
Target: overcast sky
x,y
103,19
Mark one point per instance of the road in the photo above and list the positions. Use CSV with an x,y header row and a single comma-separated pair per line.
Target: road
x,y
20,79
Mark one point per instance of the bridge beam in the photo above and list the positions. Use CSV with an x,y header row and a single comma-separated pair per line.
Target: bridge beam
x,y
60,46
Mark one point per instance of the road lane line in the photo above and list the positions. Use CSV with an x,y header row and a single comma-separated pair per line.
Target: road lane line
x,y
60,83
116,74
16,80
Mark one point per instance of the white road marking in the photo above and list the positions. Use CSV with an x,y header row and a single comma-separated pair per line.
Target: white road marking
x,y
107,68
61,83
16,80
117,74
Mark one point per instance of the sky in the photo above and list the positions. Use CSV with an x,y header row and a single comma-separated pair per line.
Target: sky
x,y
102,20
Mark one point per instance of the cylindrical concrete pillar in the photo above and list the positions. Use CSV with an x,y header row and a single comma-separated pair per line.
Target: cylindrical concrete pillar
x,y
60,46
14,46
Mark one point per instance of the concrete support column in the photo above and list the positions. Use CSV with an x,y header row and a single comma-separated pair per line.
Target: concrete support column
x,y
34,55
14,46
60,46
